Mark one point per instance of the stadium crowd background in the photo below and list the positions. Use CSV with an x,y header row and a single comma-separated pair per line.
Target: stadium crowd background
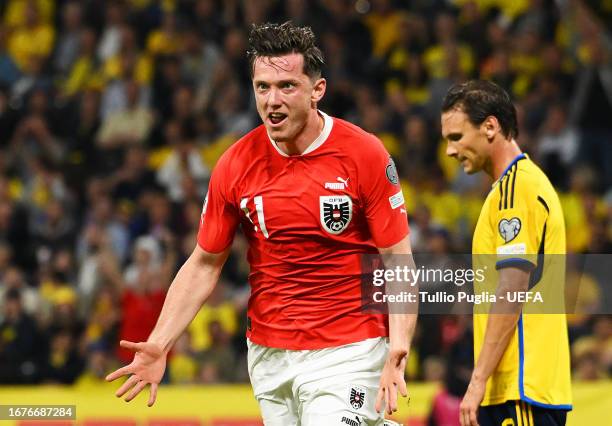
x,y
113,114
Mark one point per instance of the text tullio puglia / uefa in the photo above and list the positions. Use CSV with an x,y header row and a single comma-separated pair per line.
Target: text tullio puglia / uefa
x,y
461,296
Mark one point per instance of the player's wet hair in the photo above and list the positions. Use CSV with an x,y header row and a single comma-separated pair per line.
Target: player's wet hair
x,y
269,40
479,99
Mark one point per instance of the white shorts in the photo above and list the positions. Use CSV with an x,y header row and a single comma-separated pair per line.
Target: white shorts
x,y
331,386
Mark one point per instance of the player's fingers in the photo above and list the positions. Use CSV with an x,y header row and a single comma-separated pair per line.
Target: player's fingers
x,y
379,399
473,416
126,386
152,394
401,386
387,401
130,345
392,399
135,390
118,373
462,417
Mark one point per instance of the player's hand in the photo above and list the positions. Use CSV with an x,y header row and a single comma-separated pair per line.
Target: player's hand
x,y
468,410
147,368
392,380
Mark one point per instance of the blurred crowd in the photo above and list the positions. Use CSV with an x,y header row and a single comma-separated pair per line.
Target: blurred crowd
x,y
113,114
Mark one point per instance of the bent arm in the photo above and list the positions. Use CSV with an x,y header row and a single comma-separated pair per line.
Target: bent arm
x,y
191,287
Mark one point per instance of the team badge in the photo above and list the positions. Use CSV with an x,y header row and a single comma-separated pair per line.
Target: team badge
x,y
336,212
391,172
509,229
357,397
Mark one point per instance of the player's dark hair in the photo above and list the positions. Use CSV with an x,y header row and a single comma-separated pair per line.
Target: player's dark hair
x,y
268,40
479,99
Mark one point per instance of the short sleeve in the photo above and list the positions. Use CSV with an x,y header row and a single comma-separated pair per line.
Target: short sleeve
x,y
219,218
520,222
382,197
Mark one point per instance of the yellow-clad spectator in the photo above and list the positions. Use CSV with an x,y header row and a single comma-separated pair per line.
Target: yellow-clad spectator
x,y
15,15
373,120
166,40
411,195
444,205
83,71
213,151
447,56
525,62
217,310
384,23
510,9
99,364
129,62
182,367
579,204
448,165
34,39
403,62
57,293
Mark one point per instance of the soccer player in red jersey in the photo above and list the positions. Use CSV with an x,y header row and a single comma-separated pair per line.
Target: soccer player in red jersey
x,y
313,195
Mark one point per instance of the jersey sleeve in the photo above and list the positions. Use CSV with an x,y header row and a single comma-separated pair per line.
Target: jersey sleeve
x,y
219,218
520,222
382,197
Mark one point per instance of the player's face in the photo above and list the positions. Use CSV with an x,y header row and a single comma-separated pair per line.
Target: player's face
x,y
286,97
467,143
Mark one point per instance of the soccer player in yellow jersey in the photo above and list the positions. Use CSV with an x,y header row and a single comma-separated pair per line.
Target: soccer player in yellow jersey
x,y
522,370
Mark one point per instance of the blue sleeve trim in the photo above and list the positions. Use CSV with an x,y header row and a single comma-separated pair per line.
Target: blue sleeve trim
x,y
521,356
565,407
514,261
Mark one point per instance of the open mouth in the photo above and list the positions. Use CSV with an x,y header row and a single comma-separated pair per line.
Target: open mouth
x,y
276,118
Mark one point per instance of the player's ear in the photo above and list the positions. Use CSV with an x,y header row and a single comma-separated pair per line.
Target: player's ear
x,y
490,127
318,90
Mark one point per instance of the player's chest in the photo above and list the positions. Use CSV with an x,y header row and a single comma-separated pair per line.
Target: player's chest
x,y
484,234
299,196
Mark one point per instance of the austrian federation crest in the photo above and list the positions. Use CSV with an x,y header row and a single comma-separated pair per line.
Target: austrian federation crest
x,y
357,397
336,212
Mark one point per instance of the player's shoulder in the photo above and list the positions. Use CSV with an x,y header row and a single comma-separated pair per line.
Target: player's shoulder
x,y
358,141
524,183
244,150
531,178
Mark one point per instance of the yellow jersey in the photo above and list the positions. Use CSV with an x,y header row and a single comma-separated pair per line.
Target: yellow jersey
x,y
521,222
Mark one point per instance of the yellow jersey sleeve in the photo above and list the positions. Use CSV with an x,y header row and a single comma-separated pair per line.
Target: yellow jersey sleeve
x,y
519,220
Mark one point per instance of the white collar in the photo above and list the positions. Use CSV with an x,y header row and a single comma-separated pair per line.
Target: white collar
x,y
328,123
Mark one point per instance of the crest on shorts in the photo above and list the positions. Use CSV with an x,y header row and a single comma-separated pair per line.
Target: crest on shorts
x,y
336,212
356,397
509,229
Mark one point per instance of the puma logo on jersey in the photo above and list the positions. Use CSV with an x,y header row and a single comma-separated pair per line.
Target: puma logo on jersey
x,y
341,184
351,422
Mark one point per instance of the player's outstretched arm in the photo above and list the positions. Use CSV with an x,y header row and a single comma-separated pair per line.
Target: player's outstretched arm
x,y
402,322
191,287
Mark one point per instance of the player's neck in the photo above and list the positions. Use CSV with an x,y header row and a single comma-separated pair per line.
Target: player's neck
x,y
311,131
503,154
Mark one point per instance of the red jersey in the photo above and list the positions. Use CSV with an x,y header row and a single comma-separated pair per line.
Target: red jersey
x,y
308,219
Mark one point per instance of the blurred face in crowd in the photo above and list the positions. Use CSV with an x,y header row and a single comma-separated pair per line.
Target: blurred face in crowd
x,y
286,97
467,143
